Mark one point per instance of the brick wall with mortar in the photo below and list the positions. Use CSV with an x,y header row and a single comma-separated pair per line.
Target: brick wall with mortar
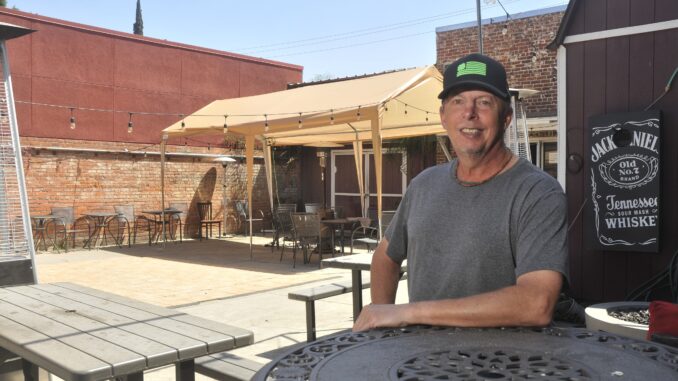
x,y
97,181
522,50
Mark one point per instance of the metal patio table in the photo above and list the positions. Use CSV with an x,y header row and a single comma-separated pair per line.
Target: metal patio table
x,y
445,353
357,263
40,224
340,222
158,221
100,220
82,334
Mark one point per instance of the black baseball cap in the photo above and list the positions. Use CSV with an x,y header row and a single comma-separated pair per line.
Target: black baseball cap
x,y
476,71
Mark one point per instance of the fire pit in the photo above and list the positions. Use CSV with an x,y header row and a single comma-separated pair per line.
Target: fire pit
x,y
622,318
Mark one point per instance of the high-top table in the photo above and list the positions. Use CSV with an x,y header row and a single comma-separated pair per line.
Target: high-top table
x,y
82,334
444,353
357,263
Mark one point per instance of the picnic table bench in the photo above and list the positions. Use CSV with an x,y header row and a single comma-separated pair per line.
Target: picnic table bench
x,y
311,295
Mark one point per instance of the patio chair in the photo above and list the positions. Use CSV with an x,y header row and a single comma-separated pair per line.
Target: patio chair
x,y
242,210
308,234
369,235
286,233
178,219
206,220
71,226
132,222
279,231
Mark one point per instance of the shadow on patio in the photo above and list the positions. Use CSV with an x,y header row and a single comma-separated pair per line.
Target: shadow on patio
x,y
182,273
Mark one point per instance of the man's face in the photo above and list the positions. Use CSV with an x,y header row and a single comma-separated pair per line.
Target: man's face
x,y
471,121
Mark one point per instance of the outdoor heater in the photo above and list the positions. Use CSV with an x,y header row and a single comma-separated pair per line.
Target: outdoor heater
x,y
17,254
322,160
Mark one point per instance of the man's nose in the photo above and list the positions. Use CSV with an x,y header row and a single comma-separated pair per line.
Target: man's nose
x,y
470,110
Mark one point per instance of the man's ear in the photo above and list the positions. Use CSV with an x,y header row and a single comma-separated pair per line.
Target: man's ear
x,y
509,118
440,111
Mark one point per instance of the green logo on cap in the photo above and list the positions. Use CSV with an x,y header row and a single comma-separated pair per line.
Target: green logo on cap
x,y
472,67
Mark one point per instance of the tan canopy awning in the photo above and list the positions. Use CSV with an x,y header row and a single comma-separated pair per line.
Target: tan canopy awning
x,y
392,105
331,112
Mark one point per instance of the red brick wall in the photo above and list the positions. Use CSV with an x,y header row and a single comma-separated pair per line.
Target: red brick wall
x,y
525,38
97,181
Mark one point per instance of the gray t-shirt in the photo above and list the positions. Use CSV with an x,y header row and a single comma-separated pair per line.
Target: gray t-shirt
x,y
461,241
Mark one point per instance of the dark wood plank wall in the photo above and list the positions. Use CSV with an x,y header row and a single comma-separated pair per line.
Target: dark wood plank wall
x,y
618,75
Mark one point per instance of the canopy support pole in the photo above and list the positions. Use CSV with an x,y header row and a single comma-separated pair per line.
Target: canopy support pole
x,y
376,146
249,157
268,165
163,147
358,155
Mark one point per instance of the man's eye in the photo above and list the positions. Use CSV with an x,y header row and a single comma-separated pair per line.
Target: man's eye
x,y
484,102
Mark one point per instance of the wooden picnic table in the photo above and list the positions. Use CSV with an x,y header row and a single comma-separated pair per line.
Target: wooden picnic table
x,y
357,263
82,334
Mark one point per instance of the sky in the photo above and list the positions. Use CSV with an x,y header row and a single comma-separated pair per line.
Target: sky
x,y
328,38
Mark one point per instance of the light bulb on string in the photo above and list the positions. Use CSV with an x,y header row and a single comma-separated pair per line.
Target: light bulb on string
x,y
427,116
331,116
358,114
299,125
504,30
183,123
72,124
405,108
225,124
130,126
266,122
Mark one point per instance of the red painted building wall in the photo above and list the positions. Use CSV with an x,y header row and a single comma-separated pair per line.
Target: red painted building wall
x,y
97,165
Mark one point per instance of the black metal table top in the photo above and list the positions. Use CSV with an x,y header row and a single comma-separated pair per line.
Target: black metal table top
x,y
443,353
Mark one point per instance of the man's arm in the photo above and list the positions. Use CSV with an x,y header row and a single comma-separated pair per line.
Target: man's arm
x,y
384,275
529,303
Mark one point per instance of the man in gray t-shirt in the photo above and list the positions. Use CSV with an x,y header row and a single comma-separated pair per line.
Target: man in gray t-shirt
x,y
485,236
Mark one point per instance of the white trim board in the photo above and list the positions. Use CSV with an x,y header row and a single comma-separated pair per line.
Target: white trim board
x,y
619,32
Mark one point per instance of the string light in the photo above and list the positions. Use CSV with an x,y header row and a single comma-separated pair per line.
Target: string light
x,y
129,124
266,123
209,146
182,117
427,116
72,120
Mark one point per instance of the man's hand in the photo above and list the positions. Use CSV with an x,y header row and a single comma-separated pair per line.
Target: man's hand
x,y
382,315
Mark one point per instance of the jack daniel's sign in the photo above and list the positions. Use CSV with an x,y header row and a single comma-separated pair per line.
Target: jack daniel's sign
x,y
623,188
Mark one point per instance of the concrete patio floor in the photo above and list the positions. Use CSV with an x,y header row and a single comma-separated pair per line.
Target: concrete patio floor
x,y
217,280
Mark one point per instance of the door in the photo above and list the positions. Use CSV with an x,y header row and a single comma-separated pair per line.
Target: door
x,y
344,184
